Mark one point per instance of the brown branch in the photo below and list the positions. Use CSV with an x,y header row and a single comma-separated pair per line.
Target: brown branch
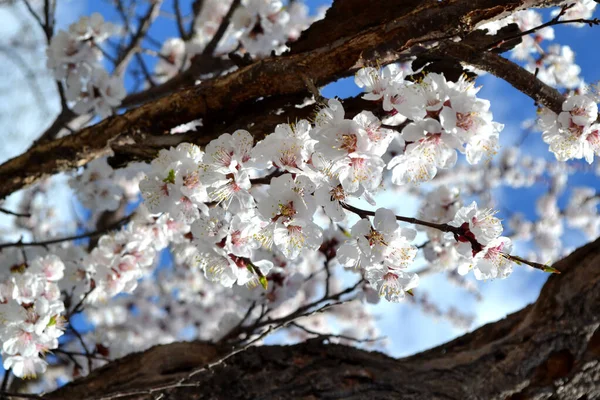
x,y
457,232
499,66
179,19
16,214
550,349
48,24
219,100
144,25
48,27
306,310
410,220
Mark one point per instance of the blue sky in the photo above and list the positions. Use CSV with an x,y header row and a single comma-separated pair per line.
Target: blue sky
x,y
407,327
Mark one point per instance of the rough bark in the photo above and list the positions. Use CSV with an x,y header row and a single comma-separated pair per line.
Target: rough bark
x,y
548,350
331,49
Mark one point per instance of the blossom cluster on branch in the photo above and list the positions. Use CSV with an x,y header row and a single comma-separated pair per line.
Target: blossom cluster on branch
x,y
302,166
231,240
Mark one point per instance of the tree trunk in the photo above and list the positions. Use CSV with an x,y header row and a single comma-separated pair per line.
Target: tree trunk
x,y
548,350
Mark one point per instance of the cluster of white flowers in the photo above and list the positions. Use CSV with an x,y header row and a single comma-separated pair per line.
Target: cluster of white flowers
x,y
446,117
383,250
328,163
263,26
31,311
101,188
74,57
258,26
574,133
476,244
480,245
274,213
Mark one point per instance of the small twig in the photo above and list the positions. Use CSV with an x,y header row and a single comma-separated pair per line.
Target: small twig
x,y
552,22
239,324
337,336
312,88
536,265
21,395
16,214
214,41
145,70
78,306
70,357
45,243
88,353
179,19
145,23
414,221
197,7
46,26
77,354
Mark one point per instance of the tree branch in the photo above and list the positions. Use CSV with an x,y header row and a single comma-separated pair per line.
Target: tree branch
x,y
144,25
217,100
214,41
550,349
499,66
86,235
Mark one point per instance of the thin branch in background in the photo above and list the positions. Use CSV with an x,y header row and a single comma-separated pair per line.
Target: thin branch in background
x,y
145,23
79,306
76,354
70,357
126,19
335,336
184,381
197,7
65,114
48,24
45,243
179,19
5,211
303,311
144,68
238,326
88,353
214,41
554,21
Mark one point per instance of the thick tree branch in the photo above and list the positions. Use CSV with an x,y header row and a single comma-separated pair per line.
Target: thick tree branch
x,y
550,349
222,98
499,66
